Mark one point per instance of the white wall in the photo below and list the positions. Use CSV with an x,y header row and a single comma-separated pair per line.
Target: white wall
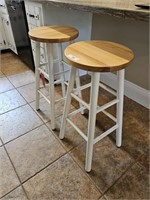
x,y
134,34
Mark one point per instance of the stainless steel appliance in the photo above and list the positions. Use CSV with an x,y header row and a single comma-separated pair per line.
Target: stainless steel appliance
x,y
16,10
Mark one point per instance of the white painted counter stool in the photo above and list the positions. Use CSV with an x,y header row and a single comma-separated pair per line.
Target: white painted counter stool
x,y
51,35
96,57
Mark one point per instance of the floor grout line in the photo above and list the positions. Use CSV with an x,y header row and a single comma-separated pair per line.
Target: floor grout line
x,y
67,152
14,170
117,180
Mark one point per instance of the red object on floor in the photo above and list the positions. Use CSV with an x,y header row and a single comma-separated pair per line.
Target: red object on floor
x,y
43,79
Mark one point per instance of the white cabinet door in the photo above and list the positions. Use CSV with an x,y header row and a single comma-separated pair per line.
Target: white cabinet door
x,y
35,18
8,32
3,9
2,37
34,13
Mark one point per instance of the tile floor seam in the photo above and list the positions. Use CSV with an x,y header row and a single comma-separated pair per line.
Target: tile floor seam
x,y
123,149
128,168
25,192
23,182
44,123
23,85
7,90
10,191
23,96
13,109
52,132
35,111
86,173
15,88
9,81
23,134
1,142
14,169
61,140
140,164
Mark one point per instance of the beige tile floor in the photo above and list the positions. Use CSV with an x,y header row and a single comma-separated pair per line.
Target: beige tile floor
x,y
36,165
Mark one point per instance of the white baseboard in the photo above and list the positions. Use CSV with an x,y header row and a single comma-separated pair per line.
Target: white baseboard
x,y
133,91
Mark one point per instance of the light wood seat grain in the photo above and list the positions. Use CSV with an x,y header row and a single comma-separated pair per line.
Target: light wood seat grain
x,y
53,34
98,56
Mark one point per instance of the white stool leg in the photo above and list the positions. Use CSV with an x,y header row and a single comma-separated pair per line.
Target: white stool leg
x,y
61,68
78,84
120,95
51,83
92,119
79,91
37,73
67,102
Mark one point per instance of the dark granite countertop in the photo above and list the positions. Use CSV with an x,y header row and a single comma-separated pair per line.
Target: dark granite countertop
x,y
118,8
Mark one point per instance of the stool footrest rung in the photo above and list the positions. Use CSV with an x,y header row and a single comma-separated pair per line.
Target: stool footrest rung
x,y
82,87
58,100
61,99
77,111
65,63
77,129
107,105
97,139
80,100
43,64
44,73
56,74
105,87
110,115
63,72
44,96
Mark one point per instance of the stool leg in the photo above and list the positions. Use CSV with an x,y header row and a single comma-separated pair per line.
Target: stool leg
x,y
78,84
92,119
120,95
79,91
51,83
67,102
37,73
61,68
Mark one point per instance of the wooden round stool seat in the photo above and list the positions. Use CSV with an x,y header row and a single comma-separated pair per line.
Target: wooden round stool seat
x,y
98,56
53,34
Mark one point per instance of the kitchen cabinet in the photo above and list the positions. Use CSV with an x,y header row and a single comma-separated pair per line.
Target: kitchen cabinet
x,y
2,37
3,9
34,13
10,43
6,35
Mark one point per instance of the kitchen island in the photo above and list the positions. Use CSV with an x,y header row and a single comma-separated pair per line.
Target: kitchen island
x,y
115,20
117,8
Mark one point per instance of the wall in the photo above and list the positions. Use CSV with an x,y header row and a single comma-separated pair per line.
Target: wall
x,y
134,34
78,19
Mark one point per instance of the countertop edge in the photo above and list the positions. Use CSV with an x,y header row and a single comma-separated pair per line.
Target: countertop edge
x,y
121,13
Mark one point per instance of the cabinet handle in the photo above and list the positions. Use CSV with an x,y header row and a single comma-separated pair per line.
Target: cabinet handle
x,y
33,16
2,5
